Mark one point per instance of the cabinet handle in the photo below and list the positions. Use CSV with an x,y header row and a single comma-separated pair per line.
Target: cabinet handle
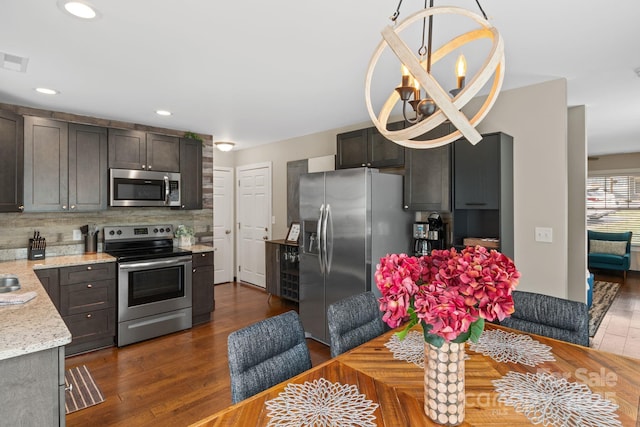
x,y
363,164
88,316
149,167
406,207
368,164
21,208
73,207
194,270
89,268
475,204
69,388
64,207
204,254
89,286
144,166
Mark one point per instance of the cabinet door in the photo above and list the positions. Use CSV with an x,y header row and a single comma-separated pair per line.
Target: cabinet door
x,y
87,168
163,153
203,304
51,284
477,173
352,149
11,162
383,152
427,179
191,173
272,268
46,185
127,149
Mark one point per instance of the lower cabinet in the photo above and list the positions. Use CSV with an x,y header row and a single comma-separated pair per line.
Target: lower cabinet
x,y
202,287
32,392
85,296
282,269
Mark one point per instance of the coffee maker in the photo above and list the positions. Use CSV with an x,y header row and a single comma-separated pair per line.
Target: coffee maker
x,y
428,235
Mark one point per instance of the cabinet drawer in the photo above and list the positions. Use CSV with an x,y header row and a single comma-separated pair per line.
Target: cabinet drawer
x,y
86,297
92,325
202,259
87,273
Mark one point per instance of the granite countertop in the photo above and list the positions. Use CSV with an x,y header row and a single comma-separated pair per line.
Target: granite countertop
x,y
36,325
199,248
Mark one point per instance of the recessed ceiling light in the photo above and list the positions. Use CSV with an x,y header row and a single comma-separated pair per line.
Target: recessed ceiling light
x,y
163,112
46,91
79,9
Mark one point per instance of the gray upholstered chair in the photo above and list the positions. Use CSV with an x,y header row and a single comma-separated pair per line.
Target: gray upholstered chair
x,y
266,353
353,321
550,316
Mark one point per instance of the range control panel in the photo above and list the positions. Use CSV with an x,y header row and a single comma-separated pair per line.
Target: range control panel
x,y
138,232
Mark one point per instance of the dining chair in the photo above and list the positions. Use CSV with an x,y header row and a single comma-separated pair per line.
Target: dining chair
x,y
550,316
266,353
353,321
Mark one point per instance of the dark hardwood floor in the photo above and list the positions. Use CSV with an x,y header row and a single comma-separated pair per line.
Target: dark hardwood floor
x,y
179,378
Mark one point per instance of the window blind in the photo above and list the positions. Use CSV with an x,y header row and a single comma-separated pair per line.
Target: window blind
x,y
613,204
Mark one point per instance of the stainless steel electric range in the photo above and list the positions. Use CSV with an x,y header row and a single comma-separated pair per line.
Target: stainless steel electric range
x,y
154,281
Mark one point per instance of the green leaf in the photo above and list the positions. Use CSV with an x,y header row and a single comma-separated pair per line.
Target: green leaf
x,y
434,340
476,329
410,324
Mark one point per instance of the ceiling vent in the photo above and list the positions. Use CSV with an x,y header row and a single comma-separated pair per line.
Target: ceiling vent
x,y
13,62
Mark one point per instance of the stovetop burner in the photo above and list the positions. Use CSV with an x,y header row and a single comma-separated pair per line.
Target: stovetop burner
x,y
141,242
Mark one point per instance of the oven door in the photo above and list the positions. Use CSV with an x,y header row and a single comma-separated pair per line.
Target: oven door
x,y
152,287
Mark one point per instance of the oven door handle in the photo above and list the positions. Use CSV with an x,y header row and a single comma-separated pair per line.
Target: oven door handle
x,y
166,190
154,263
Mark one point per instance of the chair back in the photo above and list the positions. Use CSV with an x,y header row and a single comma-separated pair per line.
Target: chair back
x,y
266,353
353,321
550,316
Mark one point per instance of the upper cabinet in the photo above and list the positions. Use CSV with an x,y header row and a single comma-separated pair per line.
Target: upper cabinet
x,y
11,162
65,166
427,175
367,147
191,173
132,149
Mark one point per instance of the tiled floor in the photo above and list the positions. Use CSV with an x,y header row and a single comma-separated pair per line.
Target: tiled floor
x,y
619,331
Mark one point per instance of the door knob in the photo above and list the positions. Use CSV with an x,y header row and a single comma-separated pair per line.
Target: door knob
x,y
227,231
264,237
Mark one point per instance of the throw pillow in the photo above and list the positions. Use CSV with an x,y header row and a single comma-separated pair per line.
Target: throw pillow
x,y
608,247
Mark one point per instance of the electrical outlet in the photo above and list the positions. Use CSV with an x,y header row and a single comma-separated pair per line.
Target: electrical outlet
x,y
77,235
544,234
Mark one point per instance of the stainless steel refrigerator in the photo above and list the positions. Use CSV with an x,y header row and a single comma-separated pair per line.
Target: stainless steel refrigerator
x,y
350,218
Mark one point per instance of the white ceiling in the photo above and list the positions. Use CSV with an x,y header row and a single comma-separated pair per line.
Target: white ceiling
x,y
255,72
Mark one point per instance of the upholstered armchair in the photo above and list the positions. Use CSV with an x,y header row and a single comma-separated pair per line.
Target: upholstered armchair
x,y
609,251
551,317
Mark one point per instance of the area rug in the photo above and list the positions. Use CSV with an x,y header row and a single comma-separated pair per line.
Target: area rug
x,y
82,391
603,295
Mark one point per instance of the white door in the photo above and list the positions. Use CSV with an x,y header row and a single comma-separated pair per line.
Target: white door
x,y
254,221
223,224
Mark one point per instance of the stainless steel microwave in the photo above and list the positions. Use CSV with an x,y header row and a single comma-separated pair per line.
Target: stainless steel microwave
x,y
143,188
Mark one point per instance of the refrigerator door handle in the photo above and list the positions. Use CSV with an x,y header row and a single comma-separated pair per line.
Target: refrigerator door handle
x,y
319,239
328,239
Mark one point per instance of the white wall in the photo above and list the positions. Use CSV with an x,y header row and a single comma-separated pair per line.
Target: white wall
x,y
536,116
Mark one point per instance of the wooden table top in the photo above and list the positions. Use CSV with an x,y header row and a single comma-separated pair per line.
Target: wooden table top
x,y
398,387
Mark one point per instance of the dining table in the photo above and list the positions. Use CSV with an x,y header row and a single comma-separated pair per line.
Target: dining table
x,y
392,388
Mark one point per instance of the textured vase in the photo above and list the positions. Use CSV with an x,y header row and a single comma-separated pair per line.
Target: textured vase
x,y
444,396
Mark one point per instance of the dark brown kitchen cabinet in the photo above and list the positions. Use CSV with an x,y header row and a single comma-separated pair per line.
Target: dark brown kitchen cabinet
x,y
202,287
11,162
51,283
132,149
282,273
427,175
367,147
483,188
191,174
65,167
88,305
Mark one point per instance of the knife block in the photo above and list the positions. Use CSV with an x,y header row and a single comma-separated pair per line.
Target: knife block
x,y
33,253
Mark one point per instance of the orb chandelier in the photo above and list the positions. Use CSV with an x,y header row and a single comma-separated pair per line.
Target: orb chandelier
x,y
425,104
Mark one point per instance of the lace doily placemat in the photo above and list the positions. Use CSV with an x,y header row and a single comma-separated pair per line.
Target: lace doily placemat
x,y
321,403
410,349
505,346
552,400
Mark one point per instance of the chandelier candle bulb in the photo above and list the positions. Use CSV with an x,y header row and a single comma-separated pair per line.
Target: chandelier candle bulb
x,y
461,70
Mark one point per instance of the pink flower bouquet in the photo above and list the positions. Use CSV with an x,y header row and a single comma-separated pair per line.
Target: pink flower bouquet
x,y
449,293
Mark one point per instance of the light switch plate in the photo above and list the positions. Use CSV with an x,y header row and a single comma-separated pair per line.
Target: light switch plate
x,y
544,234
77,235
